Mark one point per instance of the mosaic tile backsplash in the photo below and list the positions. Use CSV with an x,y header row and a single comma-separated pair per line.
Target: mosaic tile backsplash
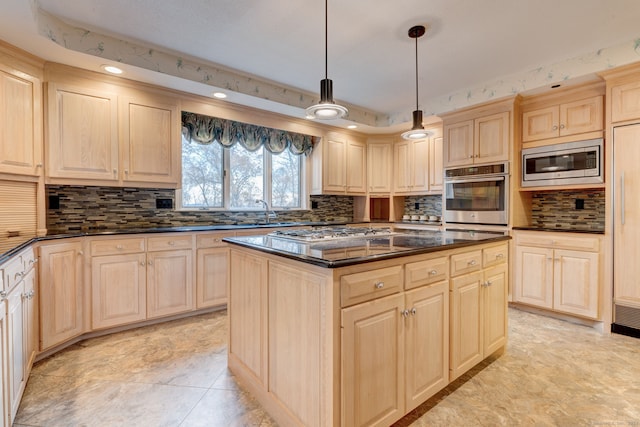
x,y
558,209
107,208
427,205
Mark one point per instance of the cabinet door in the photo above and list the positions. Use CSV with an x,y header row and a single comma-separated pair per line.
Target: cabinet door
x,y
4,359
61,293
356,167
31,327
379,157
402,171
427,343
118,284
151,140
334,165
582,116
533,276
491,138
495,308
625,102
16,340
626,217
458,140
467,323
436,173
420,160
373,362
83,134
20,115
576,276
212,277
169,282
540,124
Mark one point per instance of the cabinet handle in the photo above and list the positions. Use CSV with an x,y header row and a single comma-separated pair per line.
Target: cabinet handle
x,y
80,253
472,262
433,272
555,127
561,126
3,295
171,243
413,311
218,240
404,313
379,285
150,263
142,263
499,255
119,247
115,171
32,292
488,283
18,275
471,156
126,171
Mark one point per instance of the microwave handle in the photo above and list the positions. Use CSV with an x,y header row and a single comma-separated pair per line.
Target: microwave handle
x,y
622,198
468,180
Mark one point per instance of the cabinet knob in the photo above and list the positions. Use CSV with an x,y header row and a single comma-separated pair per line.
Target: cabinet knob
x,y
561,126
3,295
499,256
404,313
118,247
471,156
554,127
218,240
433,272
489,283
150,263
142,263
472,262
379,285
115,171
413,311
18,275
171,243
80,253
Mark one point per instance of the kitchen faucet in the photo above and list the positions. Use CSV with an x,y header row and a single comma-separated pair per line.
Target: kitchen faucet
x,y
268,213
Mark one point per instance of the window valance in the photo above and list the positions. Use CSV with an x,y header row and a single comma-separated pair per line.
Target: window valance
x,y
205,130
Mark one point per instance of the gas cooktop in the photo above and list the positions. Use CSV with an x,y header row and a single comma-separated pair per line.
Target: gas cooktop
x,y
331,233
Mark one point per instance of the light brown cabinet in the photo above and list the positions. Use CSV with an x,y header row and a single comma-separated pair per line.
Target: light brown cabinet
x,y
106,134
483,139
169,282
61,292
21,118
558,272
212,269
411,167
5,419
478,311
570,118
625,101
379,155
339,166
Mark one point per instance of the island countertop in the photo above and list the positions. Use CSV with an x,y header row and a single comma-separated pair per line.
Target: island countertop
x,y
342,252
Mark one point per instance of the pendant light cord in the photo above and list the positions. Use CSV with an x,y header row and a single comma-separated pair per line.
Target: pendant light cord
x,y
416,73
326,38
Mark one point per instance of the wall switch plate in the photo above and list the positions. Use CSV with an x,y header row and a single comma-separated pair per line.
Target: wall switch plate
x,y
579,204
164,204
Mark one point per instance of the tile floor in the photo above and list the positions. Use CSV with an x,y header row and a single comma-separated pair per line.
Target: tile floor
x,y
553,373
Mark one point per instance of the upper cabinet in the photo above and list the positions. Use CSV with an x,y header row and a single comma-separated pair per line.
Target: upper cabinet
x,y
563,115
417,165
623,93
379,155
479,135
20,115
104,134
339,166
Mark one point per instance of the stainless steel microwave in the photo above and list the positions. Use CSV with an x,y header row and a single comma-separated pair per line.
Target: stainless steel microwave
x,y
563,164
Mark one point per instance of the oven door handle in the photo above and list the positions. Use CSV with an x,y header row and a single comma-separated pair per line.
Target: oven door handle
x,y
471,180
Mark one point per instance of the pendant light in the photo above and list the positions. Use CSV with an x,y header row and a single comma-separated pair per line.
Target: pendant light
x,y
326,109
417,130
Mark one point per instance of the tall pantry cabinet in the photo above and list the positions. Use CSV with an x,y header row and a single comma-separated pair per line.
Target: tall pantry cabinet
x,y
623,190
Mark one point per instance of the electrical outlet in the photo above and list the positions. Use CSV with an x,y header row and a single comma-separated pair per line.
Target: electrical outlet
x,y
314,204
579,204
417,206
164,204
54,202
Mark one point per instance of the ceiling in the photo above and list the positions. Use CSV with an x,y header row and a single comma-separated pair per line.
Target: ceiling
x,y
270,53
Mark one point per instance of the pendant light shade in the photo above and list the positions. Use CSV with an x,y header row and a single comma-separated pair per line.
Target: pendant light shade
x,y
327,109
417,130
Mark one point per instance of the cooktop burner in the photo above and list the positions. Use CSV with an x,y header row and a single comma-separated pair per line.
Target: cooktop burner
x,y
331,233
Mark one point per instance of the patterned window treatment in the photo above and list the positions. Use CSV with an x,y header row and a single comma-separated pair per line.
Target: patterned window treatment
x,y
205,130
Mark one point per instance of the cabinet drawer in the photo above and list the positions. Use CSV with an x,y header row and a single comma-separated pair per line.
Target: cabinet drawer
x,y
169,242
212,240
119,246
466,262
426,272
15,269
495,255
554,241
368,285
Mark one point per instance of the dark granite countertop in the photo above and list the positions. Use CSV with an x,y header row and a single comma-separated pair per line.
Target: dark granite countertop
x,y
16,244
559,230
358,250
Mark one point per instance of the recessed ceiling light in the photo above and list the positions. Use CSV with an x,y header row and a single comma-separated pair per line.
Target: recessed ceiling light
x,y
352,127
219,95
111,69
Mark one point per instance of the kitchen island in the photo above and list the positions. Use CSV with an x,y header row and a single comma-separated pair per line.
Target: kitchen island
x,y
343,330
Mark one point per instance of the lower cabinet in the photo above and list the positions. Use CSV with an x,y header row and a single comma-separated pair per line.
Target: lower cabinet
x,y
5,410
169,282
212,269
558,271
478,308
61,293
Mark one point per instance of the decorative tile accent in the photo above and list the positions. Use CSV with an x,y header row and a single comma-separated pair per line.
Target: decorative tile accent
x,y
111,208
427,205
557,209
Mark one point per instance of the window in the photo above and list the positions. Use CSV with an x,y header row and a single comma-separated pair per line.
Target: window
x,y
233,178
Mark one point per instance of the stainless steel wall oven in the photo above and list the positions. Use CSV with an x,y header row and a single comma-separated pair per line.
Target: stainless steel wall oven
x,y
477,194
